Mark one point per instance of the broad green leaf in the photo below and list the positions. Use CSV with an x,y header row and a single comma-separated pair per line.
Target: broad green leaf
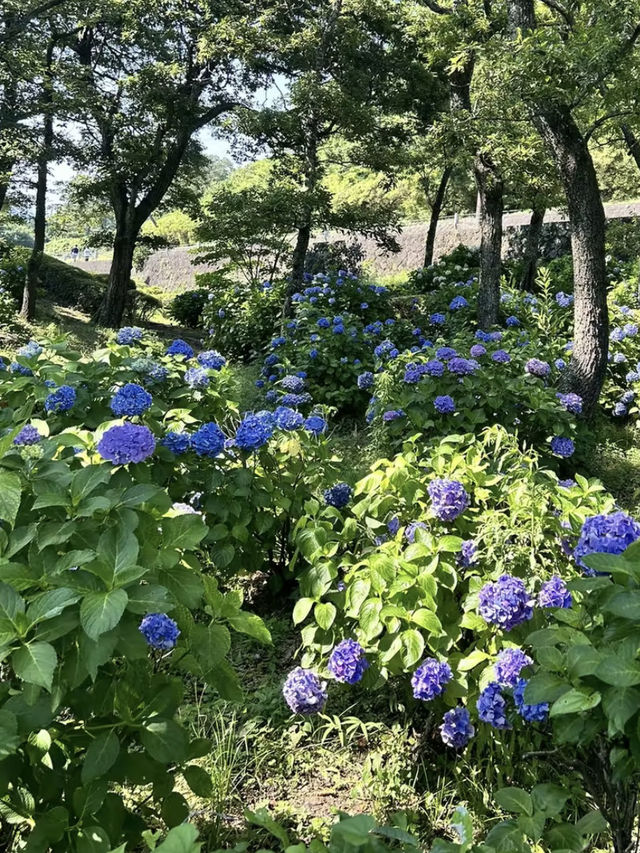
x,y
618,672
10,492
100,756
544,687
574,701
184,531
181,839
428,620
35,663
50,604
620,704
625,604
149,598
324,614
301,610
198,780
210,644
87,479
165,741
118,549
9,737
101,611
549,798
10,603
413,643
251,624
514,800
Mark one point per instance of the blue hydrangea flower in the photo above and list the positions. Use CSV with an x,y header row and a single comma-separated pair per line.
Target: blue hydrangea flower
x,y
212,359
253,431
287,418
324,322
180,347
536,367
445,353
468,553
512,321
365,380
530,713
477,350
620,410
456,729
126,443
458,302
462,366
270,360
338,495
131,399
413,373
313,353
196,377
393,525
564,447
303,691
27,435
628,397
156,373
315,424
347,662
566,484
632,376
509,664
30,350
60,400
159,631
444,404
505,603
501,356
560,363
571,402
177,442
564,300
296,399
410,531
554,593
492,707
292,383
430,679
433,368
392,415
384,348
619,358
20,369
605,534
437,319
448,498
128,335
208,440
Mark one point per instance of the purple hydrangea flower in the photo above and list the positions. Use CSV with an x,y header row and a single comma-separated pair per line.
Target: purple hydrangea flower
x,y
605,534
619,358
126,443
338,496
60,400
620,410
437,319
536,367
27,435
433,368
128,335
564,300
462,366
554,593
365,380
159,631
347,662
393,525
571,402
468,553
179,347
477,350
131,399
30,350
448,498
458,302
456,729
212,359
446,353
430,679
512,322
531,713
392,415
292,383
560,363
505,603
564,447
566,484
492,707
208,440
287,419
303,691
509,664
413,373
410,531
20,369
444,404
501,356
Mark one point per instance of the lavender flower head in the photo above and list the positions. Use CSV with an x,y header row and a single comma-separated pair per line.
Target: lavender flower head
x,y
348,662
28,435
60,400
492,707
448,498
126,443
303,691
338,495
444,404
430,679
563,447
159,631
456,729
536,367
605,534
131,399
179,347
530,713
505,603
509,664
554,593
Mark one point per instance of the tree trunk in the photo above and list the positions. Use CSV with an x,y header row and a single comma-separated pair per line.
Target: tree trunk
x,y
570,151
113,306
436,210
6,168
299,257
29,295
490,194
632,142
530,258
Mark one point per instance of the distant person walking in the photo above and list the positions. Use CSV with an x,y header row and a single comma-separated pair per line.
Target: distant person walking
x,y
87,253
74,254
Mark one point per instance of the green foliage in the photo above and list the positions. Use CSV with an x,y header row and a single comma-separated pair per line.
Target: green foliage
x,y
459,265
186,308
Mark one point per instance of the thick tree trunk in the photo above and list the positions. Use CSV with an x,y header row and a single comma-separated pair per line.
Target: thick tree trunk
x,y
30,292
113,307
436,210
299,257
532,243
490,192
6,169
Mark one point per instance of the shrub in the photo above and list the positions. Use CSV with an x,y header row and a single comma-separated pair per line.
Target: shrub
x,y
459,265
186,308
8,307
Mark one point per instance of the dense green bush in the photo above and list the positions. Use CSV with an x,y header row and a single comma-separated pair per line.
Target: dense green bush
x,y
459,265
186,308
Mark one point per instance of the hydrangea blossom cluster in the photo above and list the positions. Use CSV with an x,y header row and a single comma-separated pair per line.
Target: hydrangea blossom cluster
x,y
501,356
180,347
287,419
492,707
126,443
554,593
131,399
563,447
177,442
437,319
564,300
448,498
365,380
512,322
196,377
605,534
27,435
458,302
444,404
347,662
530,713
20,369
295,384
30,350
392,415
456,729
505,603
211,359
536,367
430,679
60,400
571,402
509,664
159,631
253,431
208,440
338,495
128,335
477,351
303,691
410,530
468,553
315,424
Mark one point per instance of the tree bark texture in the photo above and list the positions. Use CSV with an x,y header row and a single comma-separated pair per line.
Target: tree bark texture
x,y
436,211
490,192
531,246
